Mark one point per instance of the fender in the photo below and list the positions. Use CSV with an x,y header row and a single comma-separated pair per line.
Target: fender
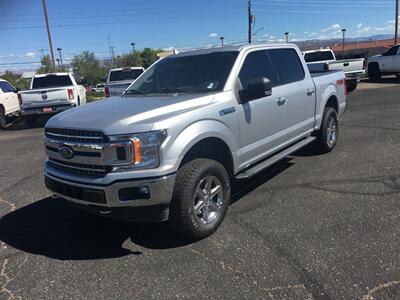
x,y
330,91
196,132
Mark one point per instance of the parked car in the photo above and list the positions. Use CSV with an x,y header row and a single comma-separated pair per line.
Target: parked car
x,y
9,104
387,63
50,94
118,80
171,147
99,88
354,69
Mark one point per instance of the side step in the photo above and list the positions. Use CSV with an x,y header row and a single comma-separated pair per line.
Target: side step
x,y
274,158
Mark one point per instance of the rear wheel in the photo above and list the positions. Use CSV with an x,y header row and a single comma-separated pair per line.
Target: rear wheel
x,y
328,134
3,122
31,121
374,72
201,198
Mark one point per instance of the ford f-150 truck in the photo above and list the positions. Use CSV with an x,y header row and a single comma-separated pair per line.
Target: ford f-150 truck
x,y
120,79
354,69
50,94
387,63
8,101
195,122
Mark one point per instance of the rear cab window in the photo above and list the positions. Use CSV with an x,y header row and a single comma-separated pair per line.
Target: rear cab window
x,y
6,87
318,56
51,81
125,74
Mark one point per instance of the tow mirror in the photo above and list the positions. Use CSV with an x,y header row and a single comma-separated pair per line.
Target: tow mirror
x,y
258,88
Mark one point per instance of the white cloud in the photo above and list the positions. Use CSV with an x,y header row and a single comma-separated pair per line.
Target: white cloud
x,y
213,35
334,27
30,54
168,49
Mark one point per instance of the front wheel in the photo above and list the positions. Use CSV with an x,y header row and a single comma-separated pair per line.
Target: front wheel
x,y
374,71
328,134
201,198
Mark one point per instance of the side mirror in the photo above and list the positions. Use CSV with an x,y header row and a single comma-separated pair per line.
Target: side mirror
x,y
16,90
258,88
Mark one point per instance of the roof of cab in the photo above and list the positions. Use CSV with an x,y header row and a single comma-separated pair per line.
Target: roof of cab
x,y
228,48
52,74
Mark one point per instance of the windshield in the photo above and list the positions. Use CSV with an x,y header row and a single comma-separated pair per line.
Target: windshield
x,y
51,81
318,56
186,74
125,74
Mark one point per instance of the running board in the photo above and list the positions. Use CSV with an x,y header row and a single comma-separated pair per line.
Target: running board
x,y
273,159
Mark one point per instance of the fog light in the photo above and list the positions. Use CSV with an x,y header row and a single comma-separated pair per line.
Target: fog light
x,y
134,193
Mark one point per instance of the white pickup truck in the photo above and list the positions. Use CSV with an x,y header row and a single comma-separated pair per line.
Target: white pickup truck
x,y
354,69
50,94
8,101
120,79
387,63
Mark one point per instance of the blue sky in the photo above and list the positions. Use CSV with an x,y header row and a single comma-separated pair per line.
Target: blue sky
x,y
86,24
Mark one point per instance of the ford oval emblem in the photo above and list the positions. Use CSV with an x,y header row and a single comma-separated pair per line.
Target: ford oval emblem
x,y
66,152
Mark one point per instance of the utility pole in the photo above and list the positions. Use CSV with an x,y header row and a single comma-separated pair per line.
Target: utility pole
x,y
344,32
59,52
222,40
287,37
396,22
112,55
49,34
250,20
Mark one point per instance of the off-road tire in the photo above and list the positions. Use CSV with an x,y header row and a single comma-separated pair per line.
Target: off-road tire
x,y
374,73
182,216
3,121
323,142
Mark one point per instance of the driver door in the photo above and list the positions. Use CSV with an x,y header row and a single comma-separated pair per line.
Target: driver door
x,y
262,121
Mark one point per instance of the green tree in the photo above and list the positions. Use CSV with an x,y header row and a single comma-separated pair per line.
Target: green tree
x,y
87,68
132,59
46,65
16,80
149,56
10,77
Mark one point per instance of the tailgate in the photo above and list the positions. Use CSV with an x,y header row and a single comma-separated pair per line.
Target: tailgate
x,y
45,96
116,89
348,66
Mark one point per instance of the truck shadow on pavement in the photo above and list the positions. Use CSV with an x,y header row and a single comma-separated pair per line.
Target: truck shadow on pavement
x,y
54,228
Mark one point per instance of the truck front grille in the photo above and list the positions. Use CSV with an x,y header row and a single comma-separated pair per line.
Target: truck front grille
x,y
79,169
72,135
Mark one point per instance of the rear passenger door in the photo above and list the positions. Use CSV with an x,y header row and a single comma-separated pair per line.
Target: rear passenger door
x,y
263,122
296,86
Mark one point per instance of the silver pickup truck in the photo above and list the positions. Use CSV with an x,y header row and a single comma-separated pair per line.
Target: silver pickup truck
x,y
187,129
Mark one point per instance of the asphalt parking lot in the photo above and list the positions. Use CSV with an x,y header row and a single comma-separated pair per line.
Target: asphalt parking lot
x,y
324,227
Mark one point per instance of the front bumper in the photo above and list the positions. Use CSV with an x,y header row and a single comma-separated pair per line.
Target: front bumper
x,y
38,110
117,196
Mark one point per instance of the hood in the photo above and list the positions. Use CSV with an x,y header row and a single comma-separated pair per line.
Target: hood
x,y
120,115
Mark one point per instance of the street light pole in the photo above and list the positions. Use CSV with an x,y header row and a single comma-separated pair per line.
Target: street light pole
x,y
344,32
287,37
59,52
222,40
133,47
49,34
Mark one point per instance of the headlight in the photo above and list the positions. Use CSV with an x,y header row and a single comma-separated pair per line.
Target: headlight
x,y
145,147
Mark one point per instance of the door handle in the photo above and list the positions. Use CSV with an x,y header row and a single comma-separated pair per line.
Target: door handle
x,y
310,92
281,101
